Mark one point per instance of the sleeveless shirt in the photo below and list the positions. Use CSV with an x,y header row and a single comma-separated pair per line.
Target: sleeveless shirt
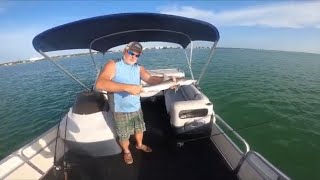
x,y
126,74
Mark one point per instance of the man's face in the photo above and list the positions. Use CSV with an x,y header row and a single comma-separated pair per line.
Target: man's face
x,y
131,57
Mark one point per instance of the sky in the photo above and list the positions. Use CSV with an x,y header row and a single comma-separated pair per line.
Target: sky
x,y
271,25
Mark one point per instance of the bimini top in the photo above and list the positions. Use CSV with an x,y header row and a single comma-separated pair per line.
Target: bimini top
x,y
104,32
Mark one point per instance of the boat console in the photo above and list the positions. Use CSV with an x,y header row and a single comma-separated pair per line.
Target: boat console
x,y
89,102
89,114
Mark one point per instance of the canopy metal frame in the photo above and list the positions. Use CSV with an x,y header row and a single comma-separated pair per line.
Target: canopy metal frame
x,y
142,30
63,70
175,29
188,58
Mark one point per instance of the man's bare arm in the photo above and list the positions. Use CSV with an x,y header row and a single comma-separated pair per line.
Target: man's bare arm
x,y
146,77
104,81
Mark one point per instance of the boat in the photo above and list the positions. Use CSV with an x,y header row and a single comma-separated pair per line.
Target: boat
x,y
189,140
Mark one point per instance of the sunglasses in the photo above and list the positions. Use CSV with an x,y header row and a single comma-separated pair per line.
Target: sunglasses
x,y
133,54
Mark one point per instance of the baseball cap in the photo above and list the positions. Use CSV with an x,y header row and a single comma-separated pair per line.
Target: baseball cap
x,y
134,46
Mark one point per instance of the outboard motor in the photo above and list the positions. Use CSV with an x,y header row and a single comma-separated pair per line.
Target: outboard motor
x,y
88,127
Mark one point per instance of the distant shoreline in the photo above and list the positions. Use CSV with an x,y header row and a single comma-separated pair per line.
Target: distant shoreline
x,y
41,59
82,54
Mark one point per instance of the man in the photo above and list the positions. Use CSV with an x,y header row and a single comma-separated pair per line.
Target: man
x,y
121,79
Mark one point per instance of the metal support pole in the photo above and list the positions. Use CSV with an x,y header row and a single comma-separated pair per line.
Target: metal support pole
x,y
65,71
94,63
189,64
208,61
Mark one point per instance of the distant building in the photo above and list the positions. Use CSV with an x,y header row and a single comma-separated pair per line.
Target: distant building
x,y
35,58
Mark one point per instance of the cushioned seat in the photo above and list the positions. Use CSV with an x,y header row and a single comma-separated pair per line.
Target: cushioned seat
x,y
189,109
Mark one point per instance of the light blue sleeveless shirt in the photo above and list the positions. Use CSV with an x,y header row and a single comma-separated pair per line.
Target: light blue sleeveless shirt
x,y
127,74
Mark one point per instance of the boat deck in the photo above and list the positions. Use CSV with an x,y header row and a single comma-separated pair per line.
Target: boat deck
x,y
195,160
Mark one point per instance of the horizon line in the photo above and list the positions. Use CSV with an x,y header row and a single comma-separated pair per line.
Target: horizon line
x,y
62,55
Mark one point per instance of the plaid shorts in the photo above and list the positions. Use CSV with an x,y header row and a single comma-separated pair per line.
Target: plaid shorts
x,y
128,123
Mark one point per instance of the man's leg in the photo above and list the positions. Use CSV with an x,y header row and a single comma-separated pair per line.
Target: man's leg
x,y
139,128
125,145
127,157
139,137
124,129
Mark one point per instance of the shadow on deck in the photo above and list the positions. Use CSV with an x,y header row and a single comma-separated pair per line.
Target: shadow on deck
x,y
195,160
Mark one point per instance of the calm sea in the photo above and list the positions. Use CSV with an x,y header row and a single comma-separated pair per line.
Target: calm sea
x,y
247,87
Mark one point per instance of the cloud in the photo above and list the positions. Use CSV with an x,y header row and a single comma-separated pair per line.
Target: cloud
x,y
18,45
188,11
281,15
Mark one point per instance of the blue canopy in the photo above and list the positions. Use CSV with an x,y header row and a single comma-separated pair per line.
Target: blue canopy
x,y
117,29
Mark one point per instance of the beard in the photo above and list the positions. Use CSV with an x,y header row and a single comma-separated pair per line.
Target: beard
x,y
129,61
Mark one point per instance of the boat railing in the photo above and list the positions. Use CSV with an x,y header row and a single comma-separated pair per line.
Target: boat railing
x,y
245,163
255,166
34,159
229,150
10,164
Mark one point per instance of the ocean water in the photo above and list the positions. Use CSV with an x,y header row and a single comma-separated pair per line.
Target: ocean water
x,y
271,98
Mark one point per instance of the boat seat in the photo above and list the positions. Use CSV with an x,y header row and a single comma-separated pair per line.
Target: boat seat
x,y
189,109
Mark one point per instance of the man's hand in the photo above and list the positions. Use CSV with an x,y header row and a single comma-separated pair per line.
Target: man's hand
x,y
175,81
165,78
134,89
